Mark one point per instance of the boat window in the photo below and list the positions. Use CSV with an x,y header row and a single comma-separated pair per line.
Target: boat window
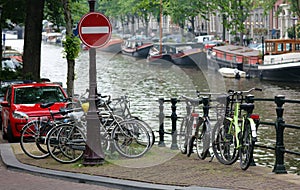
x,y
246,60
297,47
288,47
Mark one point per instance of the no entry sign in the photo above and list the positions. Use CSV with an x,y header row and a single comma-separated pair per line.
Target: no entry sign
x,y
94,29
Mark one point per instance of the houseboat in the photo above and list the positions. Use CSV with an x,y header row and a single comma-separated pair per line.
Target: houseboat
x,y
279,59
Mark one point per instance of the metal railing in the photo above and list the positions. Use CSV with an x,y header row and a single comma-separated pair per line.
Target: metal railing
x,y
279,124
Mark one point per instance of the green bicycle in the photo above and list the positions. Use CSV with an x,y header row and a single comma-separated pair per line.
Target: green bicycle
x,y
236,136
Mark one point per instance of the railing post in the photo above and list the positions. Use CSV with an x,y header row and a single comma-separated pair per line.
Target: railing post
x,y
161,116
279,167
174,119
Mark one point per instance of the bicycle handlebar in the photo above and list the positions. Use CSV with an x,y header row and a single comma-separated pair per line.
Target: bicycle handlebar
x,y
192,100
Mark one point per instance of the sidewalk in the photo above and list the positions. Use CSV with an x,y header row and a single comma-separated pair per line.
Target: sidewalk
x,y
180,172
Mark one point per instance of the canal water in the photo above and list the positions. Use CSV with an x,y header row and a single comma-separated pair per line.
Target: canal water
x,y
144,83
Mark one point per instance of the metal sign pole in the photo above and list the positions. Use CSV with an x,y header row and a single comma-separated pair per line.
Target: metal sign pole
x,y
93,154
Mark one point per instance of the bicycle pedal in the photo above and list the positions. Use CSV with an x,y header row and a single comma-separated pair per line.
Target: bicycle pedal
x,y
211,159
254,139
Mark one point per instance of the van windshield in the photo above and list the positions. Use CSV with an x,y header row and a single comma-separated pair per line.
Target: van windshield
x,y
34,95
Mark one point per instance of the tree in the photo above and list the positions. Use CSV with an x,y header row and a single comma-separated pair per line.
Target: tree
x,y
182,10
33,38
71,46
234,14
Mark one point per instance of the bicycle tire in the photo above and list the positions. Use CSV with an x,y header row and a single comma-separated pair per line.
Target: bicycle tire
x,y
203,141
147,126
66,143
246,149
190,146
224,144
183,136
149,129
32,140
130,139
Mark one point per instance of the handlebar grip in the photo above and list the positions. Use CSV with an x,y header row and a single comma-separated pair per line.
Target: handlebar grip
x,y
258,89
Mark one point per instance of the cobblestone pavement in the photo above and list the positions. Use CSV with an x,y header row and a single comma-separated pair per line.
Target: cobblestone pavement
x,y
180,171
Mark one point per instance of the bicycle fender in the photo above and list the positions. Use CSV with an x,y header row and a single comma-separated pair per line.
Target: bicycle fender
x,y
253,127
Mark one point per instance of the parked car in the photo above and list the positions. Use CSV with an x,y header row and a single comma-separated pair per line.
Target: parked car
x,y
22,102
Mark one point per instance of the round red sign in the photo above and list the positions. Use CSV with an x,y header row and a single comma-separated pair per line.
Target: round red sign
x,y
94,29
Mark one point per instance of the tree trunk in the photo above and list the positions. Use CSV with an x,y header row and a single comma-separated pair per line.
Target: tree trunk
x,y
32,40
71,62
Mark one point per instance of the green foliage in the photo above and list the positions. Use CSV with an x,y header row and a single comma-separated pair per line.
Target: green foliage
x,y
9,75
13,11
53,12
71,47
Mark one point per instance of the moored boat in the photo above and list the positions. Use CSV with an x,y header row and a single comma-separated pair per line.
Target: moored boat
x,y
232,73
182,54
279,60
136,48
113,45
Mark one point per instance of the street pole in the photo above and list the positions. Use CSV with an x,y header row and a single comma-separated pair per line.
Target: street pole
x,y
295,19
93,154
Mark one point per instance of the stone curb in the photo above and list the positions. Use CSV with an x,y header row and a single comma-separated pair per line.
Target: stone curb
x,y
9,159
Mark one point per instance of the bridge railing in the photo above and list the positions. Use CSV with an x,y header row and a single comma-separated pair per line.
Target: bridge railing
x,y
279,125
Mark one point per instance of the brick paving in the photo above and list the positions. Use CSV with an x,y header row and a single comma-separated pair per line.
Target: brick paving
x,y
180,171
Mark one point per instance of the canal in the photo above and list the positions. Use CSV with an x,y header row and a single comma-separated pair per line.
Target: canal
x,y
145,83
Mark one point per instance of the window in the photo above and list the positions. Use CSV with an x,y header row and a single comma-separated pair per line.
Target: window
x,y
33,95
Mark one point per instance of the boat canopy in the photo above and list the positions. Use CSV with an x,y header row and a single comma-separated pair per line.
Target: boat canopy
x,y
281,46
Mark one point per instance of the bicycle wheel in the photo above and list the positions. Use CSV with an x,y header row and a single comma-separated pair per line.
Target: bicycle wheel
x,y
131,139
224,145
66,143
33,137
246,149
203,141
183,136
149,129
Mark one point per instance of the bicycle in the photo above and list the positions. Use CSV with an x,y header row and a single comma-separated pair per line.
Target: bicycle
x,y
130,136
236,136
66,142
188,124
201,132
36,130
121,107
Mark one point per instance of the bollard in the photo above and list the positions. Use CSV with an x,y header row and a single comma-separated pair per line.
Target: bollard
x,y
174,119
279,167
161,116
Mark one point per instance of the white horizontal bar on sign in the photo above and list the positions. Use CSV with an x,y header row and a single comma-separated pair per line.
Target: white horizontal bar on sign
x,y
95,30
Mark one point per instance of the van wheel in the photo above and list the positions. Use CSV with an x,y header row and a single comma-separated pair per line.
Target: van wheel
x,y
10,136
